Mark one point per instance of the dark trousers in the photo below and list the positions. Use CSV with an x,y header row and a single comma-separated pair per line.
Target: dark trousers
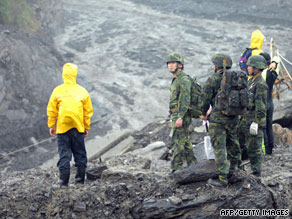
x,y
71,142
268,130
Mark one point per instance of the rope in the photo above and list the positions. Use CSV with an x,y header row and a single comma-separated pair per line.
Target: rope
x,y
32,145
285,59
287,74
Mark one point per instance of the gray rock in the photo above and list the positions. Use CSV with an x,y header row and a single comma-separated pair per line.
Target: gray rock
x,y
196,172
33,208
80,207
175,200
153,151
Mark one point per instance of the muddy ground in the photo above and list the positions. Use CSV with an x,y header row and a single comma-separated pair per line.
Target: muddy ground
x,y
131,188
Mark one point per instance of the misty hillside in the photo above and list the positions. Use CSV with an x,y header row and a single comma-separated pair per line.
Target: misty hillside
x,y
29,66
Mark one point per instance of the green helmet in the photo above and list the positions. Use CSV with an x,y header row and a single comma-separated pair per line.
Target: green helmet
x,y
174,57
218,60
257,61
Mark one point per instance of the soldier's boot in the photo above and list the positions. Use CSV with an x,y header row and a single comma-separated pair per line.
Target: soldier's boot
x,y
221,182
233,170
80,175
233,175
64,178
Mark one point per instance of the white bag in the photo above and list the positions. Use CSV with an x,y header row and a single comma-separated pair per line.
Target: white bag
x,y
208,148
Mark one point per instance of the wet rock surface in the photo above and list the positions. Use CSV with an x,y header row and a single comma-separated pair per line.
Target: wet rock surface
x,y
129,187
121,47
29,70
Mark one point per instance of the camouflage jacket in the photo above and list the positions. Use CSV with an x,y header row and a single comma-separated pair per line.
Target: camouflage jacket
x,y
180,96
257,102
210,90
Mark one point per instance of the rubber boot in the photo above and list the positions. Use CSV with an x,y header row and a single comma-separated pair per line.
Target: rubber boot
x,y
221,182
64,177
233,170
80,176
234,176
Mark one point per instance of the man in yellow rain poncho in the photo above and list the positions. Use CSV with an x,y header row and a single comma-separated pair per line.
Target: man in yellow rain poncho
x,y
255,48
70,105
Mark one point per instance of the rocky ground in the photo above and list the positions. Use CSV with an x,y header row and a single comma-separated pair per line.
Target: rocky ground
x,y
138,186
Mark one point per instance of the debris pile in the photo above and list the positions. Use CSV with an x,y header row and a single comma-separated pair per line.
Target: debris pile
x,y
136,185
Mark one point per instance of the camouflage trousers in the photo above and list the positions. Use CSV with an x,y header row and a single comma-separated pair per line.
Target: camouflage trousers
x,y
226,146
181,147
253,145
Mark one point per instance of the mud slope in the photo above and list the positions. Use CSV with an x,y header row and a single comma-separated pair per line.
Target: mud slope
x,y
121,46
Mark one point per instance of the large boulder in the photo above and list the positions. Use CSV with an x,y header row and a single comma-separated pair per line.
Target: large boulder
x,y
196,172
282,109
208,203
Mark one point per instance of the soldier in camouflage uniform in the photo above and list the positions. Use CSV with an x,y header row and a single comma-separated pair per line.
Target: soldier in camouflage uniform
x,y
253,122
222,127
180,115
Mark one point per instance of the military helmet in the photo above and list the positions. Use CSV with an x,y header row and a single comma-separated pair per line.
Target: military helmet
x,y
218,60
174,57
257,61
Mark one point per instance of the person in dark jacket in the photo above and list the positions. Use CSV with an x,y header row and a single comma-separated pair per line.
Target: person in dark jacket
x,y
270,75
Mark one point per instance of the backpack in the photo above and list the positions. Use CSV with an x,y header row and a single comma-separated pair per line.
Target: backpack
x,y
196,92
244,57
232,98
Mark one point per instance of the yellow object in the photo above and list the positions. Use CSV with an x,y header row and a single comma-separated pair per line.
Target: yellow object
x,y
264,74
263,146
275,59
256,41
69,104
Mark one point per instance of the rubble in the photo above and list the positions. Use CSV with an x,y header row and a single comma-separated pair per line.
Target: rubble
x,y
129,186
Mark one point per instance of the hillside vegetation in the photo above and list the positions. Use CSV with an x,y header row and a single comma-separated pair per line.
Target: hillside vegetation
x,y
18,14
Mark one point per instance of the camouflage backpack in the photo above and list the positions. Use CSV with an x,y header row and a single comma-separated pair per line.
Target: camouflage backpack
x,y
196,92
232,98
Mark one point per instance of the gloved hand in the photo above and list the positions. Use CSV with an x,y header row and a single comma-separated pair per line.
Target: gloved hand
x,y
253,129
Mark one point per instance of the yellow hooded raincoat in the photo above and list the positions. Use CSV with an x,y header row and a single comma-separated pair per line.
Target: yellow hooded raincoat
x,y
69,104
256,41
